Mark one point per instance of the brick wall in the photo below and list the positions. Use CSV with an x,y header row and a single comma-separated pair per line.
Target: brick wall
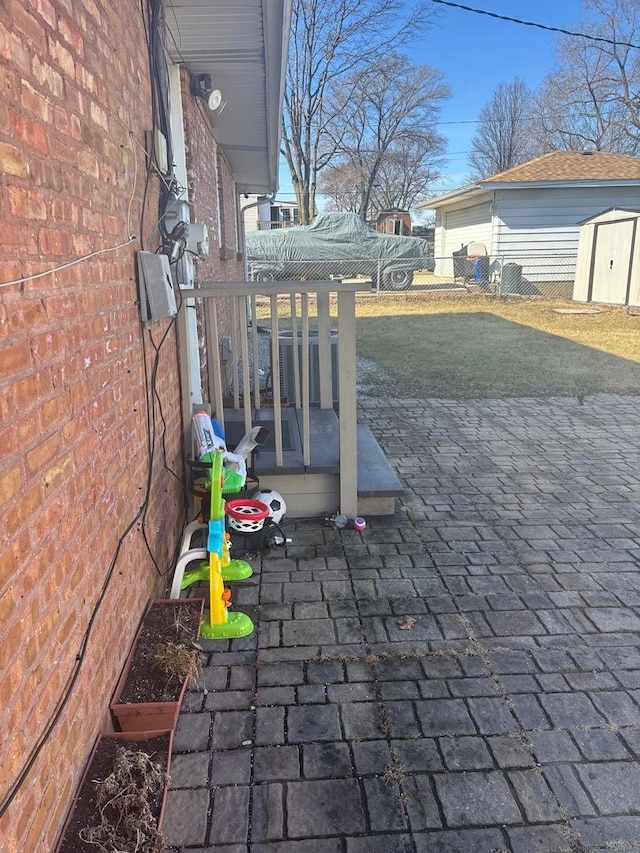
x,y
74,406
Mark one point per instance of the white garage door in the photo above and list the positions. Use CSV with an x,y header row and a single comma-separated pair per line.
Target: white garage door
x,y
468,225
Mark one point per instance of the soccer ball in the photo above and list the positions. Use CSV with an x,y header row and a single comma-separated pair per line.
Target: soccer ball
x,y
275,502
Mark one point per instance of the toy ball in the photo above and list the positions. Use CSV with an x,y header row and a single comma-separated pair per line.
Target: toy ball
x,y
275,502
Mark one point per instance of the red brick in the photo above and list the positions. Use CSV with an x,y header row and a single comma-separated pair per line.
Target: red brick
x,y
25,24
55,242
33,103
9,83
21,512
71,35
49,175
79,383
25,204
26,314
18,51
47,12
63,57
15,359
48,347
11,271
30,132
59,472
64,209
28,392
11,480
18,236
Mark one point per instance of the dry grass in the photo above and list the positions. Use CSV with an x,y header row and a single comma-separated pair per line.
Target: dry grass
x,y
177,662
463,346
468,347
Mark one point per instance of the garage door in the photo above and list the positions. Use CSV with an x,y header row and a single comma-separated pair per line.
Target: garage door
x,y
469,225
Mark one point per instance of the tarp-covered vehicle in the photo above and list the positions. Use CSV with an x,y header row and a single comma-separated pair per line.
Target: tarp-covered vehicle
x,y
336,245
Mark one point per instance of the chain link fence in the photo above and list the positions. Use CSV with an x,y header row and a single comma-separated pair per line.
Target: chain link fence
x,y
527,274
549,275
383,273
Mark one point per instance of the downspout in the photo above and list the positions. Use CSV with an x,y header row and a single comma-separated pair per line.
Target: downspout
x,y
243,237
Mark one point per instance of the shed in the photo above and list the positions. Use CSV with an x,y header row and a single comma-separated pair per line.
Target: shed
x,y
394,221
608,261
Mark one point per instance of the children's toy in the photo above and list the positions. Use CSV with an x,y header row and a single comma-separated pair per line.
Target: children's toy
x,y
275,502
208,437
219,624
247,515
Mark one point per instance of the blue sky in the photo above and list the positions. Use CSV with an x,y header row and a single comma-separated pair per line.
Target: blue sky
x,y
475,53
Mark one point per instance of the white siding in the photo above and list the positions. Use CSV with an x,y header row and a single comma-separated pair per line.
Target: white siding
x,y
538,228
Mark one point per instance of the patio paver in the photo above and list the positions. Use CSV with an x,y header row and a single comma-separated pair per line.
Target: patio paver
x,y
507,718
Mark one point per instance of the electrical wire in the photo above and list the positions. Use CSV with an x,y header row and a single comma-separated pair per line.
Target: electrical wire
x,y
132,238
537,25
62,702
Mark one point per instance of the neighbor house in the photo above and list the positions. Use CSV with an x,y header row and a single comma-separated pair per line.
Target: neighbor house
x,y
263,213
130,132
531,214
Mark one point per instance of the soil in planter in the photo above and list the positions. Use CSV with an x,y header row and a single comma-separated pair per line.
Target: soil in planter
x,y
166,653
91,826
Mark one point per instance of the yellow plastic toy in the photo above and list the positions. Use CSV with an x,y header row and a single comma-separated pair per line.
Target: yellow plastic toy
x,y
218,623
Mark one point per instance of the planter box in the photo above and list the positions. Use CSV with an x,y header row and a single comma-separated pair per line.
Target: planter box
x,y
85,812
145,698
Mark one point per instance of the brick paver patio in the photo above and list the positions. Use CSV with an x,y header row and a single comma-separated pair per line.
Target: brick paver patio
x,y
506,718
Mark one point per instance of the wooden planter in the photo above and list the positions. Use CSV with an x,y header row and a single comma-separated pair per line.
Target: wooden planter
x,y
85,813
145,698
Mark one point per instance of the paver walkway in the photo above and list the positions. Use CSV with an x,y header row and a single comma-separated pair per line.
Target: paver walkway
x,y
506,718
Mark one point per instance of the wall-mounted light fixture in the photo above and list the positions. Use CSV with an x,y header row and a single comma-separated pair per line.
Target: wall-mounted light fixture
x,y
201,86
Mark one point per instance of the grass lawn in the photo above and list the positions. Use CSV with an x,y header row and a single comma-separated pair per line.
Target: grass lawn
x,y
465,347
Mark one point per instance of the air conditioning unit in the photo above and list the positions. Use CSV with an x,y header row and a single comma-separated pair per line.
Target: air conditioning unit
x,y
287,352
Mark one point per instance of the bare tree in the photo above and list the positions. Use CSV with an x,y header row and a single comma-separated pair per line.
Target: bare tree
x,y
338,185
386,149
502,139
330,40
406,174
591,99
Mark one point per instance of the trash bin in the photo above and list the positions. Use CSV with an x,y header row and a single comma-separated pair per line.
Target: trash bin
x,y
461,263
480,268
511,279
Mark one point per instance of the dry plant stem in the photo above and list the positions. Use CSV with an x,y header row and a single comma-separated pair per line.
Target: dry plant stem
x,y
176,661
127,824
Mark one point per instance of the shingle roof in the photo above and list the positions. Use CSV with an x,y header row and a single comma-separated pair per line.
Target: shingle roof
x,y
572,166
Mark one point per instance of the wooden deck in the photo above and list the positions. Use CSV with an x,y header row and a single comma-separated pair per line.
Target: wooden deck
x,y
314,488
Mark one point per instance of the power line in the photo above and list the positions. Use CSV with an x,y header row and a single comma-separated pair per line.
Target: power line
x,y
537,25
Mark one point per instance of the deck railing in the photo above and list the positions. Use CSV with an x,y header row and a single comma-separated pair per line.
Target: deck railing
x,y
236,316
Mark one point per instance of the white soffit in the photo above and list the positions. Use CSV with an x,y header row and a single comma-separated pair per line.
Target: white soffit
x,y
243,45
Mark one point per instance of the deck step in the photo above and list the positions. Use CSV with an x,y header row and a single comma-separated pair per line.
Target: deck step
x,y
376,477
378,484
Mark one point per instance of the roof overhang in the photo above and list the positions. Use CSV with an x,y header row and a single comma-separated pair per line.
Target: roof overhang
x,y
462,194
242,45
471,191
